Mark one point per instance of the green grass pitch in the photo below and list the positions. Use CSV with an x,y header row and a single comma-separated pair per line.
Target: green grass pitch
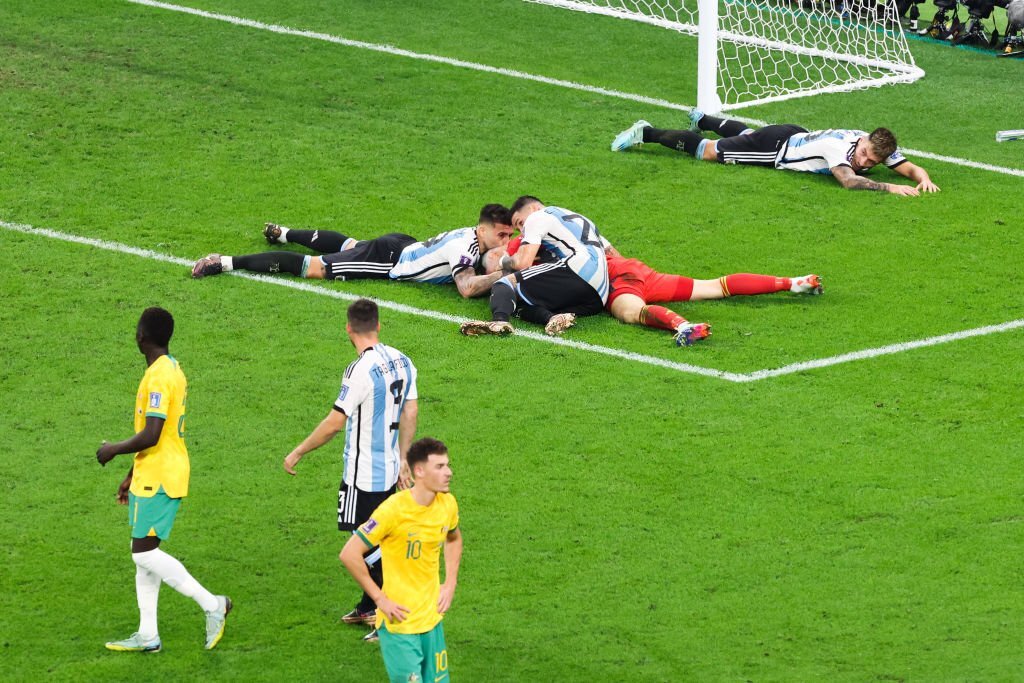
x,y
623,521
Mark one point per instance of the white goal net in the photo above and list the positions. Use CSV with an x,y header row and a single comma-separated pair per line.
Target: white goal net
x,y
758,51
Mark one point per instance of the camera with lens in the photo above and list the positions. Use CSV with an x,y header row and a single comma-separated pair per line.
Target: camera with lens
x,y
973,32
946,23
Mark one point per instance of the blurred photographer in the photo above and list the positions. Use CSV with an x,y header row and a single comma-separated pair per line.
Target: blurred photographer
x,y
1013,43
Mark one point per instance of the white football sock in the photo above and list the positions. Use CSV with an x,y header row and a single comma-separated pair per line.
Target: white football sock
x,y
147,590
174,574
283,238
227,264
798,285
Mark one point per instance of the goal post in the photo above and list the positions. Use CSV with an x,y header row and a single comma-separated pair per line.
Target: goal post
x,y
759,51
708,99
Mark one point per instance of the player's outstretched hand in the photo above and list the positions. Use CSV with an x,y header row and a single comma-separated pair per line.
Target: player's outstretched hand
x,y
392,610
928,186
290,461
904,190
444,598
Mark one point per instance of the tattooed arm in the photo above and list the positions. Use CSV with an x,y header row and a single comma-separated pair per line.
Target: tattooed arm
x,y
471,285
851,181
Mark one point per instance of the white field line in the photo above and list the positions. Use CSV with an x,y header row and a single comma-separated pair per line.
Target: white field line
x,y
558,341
884,350
398,52
390,305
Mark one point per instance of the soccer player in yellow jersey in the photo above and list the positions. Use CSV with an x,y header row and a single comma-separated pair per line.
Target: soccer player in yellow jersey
x,y
411,527
155,485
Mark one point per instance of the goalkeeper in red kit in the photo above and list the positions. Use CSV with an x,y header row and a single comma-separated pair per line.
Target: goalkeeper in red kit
x,y
636,289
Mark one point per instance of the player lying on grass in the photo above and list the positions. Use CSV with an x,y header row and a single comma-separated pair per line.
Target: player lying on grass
x,y
846,154
550,294
635,287
449,257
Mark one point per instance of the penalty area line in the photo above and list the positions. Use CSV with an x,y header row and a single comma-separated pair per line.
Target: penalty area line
x,y
736,377
884,350
383,303
512,73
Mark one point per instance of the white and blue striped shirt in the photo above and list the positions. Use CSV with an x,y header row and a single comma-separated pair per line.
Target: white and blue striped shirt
x,y
438,259
574,239
820,151
373,392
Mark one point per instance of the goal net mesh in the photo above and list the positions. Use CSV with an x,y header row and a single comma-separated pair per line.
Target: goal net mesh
x,y
771,50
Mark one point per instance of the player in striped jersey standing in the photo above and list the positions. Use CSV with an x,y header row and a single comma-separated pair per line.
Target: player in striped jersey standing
x,y
551,294
845,154
377,408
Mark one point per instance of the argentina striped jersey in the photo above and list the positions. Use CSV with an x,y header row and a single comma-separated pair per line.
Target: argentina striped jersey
x,y
572,238
373,392
820,151
438,259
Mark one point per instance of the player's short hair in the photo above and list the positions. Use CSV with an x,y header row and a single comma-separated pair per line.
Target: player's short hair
x,y
363,316
525,200
157,326
495,213
420,450
883,142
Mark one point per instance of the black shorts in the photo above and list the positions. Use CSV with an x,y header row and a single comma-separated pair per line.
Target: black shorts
x,y
355,506
555,287
369,259
758,148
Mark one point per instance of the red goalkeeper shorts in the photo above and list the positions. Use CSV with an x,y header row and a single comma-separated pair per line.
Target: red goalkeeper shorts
x,y
630,276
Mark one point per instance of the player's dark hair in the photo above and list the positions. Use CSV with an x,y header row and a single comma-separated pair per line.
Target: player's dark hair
x,y
495,213
363,316
883,142
420,450
157,326
525,200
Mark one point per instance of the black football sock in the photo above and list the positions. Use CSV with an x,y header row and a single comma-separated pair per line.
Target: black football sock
x,y
680,140
270,262
726,128
535,314
503,302
377,574
324,241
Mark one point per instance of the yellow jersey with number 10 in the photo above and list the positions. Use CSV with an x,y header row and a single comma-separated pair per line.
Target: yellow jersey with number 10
x,y
411,537
162,394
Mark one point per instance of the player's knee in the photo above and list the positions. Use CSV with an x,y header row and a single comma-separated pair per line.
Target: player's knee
x,y
313,268
626,310
628,315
